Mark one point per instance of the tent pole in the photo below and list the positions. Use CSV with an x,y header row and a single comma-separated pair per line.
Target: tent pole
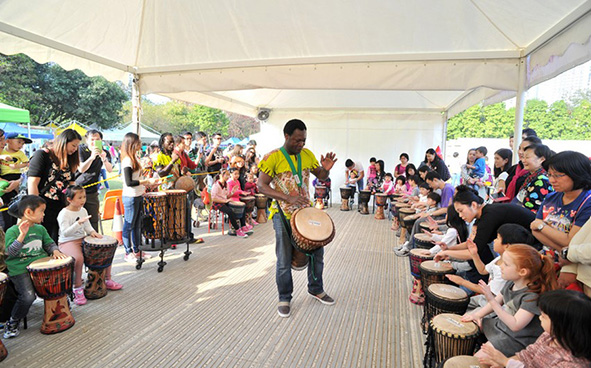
x,y
136,105
519,106
29,129
444,134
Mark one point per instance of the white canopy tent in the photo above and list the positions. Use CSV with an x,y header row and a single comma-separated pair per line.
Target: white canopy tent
x,y
402,66
116,135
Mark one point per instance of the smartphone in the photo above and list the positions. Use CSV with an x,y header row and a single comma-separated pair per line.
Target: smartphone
x,y
98,145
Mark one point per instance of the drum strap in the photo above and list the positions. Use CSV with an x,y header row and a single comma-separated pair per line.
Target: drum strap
x,y
287,227
296,174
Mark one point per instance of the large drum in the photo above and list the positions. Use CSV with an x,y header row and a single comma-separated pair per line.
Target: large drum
x,y
261,203
423,241
311,229
364,197
248,206
176,219
3,285
444,298
98,256
434,273
185,183
52,279
452,337
154,206
404,212
416,258
381,200
346,194
238,208
408,221
462,361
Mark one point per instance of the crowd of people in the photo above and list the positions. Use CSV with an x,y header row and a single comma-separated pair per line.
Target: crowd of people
x,y
517,237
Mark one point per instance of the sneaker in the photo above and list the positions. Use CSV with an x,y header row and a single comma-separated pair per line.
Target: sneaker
x,y
254,222
232,232
130,258
241,234
113,285
11,329
323,298
79,297
246,230
248,226
284,309
402,251
173,246
144,255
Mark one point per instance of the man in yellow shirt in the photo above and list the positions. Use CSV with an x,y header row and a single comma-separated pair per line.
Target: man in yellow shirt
x,y
290,190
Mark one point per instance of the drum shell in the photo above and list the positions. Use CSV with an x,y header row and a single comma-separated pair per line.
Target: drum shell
x,y
448,344
437,304
261,201
307,245
52,283
154,208
3,285
346,192
185,183
98,256
409,221
176,215
403,212
434,276
415,261
238,208
364,196
248,203
461,361
422,242
320,191
381,199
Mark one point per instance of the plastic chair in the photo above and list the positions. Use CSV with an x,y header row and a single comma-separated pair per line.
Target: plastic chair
x,y
108,211
113,193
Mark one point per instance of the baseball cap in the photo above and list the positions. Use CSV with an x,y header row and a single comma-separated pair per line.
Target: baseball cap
x,y
18,136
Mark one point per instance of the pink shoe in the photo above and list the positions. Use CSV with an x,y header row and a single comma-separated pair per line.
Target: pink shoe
x,y
113,285
241,234
79,297
248,226
246,230
254,222
144,255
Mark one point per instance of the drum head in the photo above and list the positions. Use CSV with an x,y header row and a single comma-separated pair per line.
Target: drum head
x,y
451,324
462,361
423,237
47,263
236,204
313,224
436,266
406,210
154,194
447,291
417,253
246,198
105,240
175,192
185,183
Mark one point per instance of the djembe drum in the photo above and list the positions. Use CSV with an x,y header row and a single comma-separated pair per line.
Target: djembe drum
x,y
311,229
451,337
434,273
238,208
3,285
443,298
154,223
261,203
346,193
423,241
381,200
425,226
408,221
248,207
52,279
176,219
98,256
462,361
364,197
320,192
416,258
185,183
404,212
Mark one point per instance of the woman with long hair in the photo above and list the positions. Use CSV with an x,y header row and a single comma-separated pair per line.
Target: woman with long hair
x,y
51,171
502,164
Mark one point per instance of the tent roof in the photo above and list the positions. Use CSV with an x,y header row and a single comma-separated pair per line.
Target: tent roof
x,y
36,133
117,134
374,55
10,114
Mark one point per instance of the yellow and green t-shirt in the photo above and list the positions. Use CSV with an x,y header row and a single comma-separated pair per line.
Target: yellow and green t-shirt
x,y
276,166
20,158
162,160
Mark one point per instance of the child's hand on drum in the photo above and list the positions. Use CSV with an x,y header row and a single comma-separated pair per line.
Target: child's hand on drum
x,y
440,256
494,357
458,280
84,219
94,234
58,255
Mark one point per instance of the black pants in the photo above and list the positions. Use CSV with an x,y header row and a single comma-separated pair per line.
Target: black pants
x,y
50,220
231,215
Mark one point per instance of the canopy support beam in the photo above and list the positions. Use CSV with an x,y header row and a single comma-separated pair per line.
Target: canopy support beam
x,y
444,133
136,103
519,106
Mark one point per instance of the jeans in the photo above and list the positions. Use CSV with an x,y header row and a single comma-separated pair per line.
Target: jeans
x,y
283,277
360,184
104,177
132,223
25,295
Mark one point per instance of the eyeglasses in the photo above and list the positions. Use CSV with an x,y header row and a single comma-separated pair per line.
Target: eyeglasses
x,y
556,176
218,138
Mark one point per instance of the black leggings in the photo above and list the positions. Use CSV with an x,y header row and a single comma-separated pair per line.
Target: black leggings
x,y
231,215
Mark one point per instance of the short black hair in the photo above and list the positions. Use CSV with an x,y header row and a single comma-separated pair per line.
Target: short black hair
x,y
568,311
372,159
541,150
515,234
466,195
31,202
93,132
188,133
292,125
482,150
401,178
532,139
432,175
162,138
575,165
410,167
390,176
425,186
252,142
529,132
404,155
413,178
201,135
434,196
349,163
71,191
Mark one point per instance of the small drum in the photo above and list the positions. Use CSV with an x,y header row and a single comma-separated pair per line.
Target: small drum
x,y
415,261
320,191
3,285
402,205
408,221
238,208
346,194
248,206
425,226
423,241
395,196
176,221
154,205
299,260
98,256
452,337
434,273
52,279
462,361
185,183
311,228
364,197
443,298
261,203
403,212
381,200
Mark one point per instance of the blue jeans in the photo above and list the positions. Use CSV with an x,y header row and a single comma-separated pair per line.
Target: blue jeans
x,y
104,177
132,223
25,295
360,185
283,278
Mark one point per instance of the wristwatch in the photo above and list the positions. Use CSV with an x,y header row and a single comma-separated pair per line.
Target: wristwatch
x,y
564,253
541,226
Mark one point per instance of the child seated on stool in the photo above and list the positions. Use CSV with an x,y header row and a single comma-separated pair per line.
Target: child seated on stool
x,y
26,242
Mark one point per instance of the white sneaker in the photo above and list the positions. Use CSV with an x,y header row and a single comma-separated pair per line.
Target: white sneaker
x,y
130,258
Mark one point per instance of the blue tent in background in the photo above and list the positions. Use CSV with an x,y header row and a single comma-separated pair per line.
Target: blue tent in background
x,y
230,141
15,128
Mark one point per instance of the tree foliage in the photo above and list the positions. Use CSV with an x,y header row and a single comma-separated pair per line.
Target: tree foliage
x,y
51,93
568,120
